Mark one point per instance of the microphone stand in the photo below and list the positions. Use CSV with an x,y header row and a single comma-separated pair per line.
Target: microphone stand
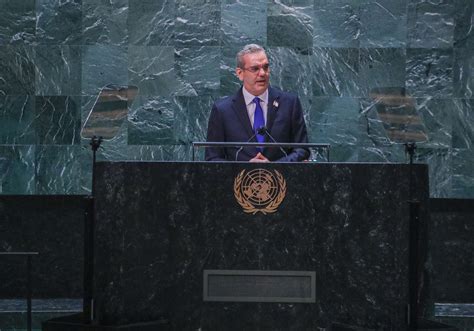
x,y
89,224
414,249
266,132
242,147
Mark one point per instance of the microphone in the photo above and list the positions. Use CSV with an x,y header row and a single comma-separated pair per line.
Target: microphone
x,y
264,131
242,147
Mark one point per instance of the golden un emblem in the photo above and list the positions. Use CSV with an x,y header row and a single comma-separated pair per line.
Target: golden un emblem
x,y
259,190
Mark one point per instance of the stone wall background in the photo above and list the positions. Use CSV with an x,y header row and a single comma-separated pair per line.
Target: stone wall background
x,y
55,56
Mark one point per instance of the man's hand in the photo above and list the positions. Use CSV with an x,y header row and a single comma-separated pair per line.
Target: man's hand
x,y
259,158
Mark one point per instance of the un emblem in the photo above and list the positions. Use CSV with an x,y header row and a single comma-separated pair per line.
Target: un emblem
x,y
259,190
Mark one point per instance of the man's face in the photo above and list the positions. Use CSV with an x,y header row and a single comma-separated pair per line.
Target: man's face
x,y
256,73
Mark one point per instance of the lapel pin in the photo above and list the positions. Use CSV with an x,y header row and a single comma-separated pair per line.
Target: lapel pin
x,y
275,104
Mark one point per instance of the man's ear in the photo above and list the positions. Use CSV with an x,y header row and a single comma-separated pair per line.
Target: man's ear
x,y
239,73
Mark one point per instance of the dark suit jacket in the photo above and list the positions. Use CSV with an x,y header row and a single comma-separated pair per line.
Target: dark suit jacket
x,y
229,122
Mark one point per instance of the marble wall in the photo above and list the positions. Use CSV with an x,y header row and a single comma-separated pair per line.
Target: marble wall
x,y
349,61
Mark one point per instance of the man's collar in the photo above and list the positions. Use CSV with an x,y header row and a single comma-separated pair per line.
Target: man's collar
x,y
248,97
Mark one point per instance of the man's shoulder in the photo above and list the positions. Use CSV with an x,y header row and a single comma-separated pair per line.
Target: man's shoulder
x,y
223,101
279,93
226,101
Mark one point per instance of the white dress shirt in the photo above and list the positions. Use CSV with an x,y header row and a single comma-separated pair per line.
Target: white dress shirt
x,y
248,97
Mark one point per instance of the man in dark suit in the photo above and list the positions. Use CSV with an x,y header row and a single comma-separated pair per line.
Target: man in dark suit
x,y
254,109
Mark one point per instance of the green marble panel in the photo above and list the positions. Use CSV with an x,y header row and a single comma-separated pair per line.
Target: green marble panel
x,y
437,117
463,123
335,71
290,24
197,70
342,122
62,169
383,23
58,70
463,80
336,23
159,153
152,121
103,65
289,71
463,173
191,124
243,22
57,120
381,68
229,82
17,22
17,175
429,72
104,22
151,68
430,24
440,170
463,20
113,152
197,23
151,22
16,120
394,153
59,22
17,74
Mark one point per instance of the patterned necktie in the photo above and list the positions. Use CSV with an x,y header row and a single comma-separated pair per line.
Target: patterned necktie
x,y
258,120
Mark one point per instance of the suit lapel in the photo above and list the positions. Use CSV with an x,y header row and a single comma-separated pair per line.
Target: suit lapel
x,y
240,110
273,104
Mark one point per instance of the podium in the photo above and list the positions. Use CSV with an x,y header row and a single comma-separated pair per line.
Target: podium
x,y
180,242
